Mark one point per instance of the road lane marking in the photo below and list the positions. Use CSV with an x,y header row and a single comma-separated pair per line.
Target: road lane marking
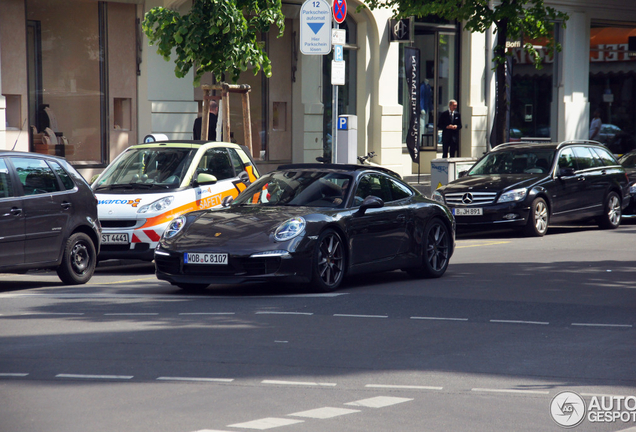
x,y
602,325
520,322
406,387
492,390
324,413
360,316
266,423
493,243
278,382
438,318
283,313
121,377
225,380
131,314
379,401
124,281
52,313
7,374
207,313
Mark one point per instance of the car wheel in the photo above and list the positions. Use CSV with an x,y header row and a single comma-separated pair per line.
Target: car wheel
x,y
538,219
328,262
78,260
611,217
192,287
436,251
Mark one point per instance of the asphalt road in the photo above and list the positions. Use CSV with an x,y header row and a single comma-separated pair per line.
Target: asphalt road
x,y
513,323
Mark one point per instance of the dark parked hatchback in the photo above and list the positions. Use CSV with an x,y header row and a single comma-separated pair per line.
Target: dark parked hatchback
x,y
48,217
531,185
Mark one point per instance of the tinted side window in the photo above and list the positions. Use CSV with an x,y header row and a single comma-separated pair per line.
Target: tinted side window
x,y
399,191
6,188
66,179
217,162
373,184
35,175
236,160
606,156
567,159
584,158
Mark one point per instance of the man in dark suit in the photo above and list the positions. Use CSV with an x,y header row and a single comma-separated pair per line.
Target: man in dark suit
x,y
196,130
450,122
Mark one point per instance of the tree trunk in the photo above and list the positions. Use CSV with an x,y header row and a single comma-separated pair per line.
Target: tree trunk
x,y
501,103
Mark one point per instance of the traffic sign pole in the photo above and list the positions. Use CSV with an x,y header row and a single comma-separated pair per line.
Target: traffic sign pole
x,y
334,116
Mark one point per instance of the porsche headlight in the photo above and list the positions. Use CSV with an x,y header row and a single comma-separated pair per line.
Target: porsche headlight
x,y
437,196
159,205
174,227
290,229
513,195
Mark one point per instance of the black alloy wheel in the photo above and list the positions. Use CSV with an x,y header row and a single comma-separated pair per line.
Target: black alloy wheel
x,y
436,251
611,217
79,259
328,262
538,219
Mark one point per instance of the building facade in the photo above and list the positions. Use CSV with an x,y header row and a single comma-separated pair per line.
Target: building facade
x,y
78,79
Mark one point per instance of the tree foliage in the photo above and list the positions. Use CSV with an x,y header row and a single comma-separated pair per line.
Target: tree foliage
x,y
512,19
217,36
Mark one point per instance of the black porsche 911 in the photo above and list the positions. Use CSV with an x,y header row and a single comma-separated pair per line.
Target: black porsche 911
x,y
310,223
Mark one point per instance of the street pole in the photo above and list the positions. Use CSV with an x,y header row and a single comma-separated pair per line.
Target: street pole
x,y
334,116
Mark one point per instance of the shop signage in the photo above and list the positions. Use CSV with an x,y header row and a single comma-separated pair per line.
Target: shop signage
x,y
400,30
412,74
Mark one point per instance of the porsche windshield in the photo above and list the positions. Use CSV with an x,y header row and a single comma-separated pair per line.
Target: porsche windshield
x,y
298,188
525,161
147,168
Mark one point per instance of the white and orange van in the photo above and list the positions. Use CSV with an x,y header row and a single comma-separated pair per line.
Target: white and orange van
x,y
148,185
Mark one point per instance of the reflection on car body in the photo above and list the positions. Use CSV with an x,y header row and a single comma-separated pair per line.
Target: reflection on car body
x,y
310,223
529,185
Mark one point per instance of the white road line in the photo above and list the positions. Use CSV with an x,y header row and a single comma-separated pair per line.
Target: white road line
x,y
510,391
210,430
438,318
379,401
226,380
284,313
162,296
520,322
121,377
52,313
360,316
13,374
408,387
277,382
266,423
130,314
207,313
324,413
602,325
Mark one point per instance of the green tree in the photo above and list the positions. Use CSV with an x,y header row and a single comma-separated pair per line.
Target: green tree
x,y
217,36
512,19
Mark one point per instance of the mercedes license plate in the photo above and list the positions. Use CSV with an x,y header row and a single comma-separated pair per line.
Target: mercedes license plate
x,y
472,211
205,258
115,238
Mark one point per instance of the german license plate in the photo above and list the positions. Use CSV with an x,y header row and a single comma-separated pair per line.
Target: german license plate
x,y
205,258
115,238
473,211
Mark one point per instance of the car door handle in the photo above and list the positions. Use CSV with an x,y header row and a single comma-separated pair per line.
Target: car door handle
x,y
14,212
66,205
581,178
401,218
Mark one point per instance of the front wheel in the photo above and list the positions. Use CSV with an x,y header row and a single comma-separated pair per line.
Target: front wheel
x,y
611,217
78,260
328,266
436,250
538,219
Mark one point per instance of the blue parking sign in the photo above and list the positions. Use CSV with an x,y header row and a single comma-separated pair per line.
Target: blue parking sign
x,y
338,53
342,123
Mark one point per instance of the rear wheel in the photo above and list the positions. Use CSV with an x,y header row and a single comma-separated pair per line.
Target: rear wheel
x,y
328,265
436,251
78,260
611,217
538,219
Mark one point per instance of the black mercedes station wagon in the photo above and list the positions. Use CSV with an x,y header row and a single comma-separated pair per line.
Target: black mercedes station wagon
x,y
530,185
48,217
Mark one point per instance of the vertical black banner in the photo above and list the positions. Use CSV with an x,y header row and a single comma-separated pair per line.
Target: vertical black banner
x,y
412,73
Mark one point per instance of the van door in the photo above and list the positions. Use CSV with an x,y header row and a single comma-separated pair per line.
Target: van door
x,y
12,220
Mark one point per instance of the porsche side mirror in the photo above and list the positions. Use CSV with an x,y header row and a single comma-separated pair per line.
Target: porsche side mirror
x,y
244,177
462,173
369,202
565,172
